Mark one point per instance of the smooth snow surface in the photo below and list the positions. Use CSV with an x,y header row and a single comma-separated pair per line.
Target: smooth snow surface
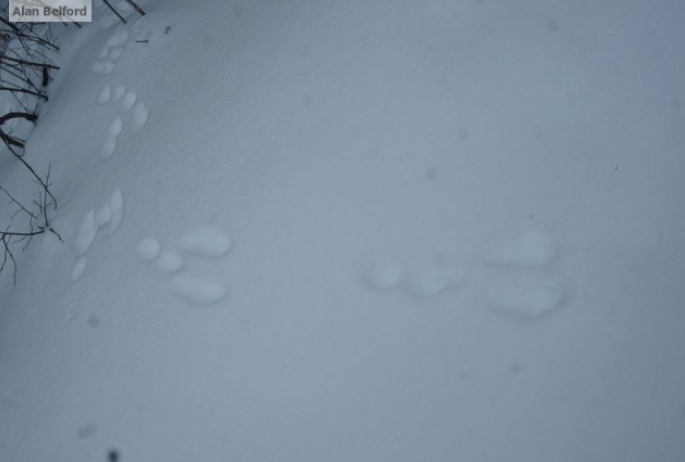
x,y
354,231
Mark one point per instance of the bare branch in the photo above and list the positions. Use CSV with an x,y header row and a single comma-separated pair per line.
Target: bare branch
x,y
137,8
114,11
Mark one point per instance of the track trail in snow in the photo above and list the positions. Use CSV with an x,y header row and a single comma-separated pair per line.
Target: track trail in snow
x,y
171,262
106,219
132,115
524,284
201,242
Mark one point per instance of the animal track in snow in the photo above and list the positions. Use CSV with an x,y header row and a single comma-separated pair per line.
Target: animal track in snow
x,y
116,212
519,280
105,95
111,140
526,289
110,53
206,241
107,218
433,279
134,114
79,269
169,262
128,100
148,249
86,234
527,249
138,116
201,291
118,93
383,274
526,296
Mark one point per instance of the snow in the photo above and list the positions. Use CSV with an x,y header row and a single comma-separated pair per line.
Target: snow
x,y
118,93
206,240
197,290
434,279
86,234
169,262
105,95
112,133
361,230
530,248
382,273
148,249
115,207
138,116
128,100
79,269
529,297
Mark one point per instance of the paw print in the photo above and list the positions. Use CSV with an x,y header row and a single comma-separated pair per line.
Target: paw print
x,y
110,53
106,219
383,274
204,241
131,113
527,287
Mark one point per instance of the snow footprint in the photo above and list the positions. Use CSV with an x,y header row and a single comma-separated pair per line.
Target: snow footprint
x,y
111,140
134,114
107,218
433,279
110,53
526,288
383,274
207,241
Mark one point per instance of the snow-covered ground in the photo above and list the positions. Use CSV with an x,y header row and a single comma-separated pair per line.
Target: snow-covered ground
x,y
307,230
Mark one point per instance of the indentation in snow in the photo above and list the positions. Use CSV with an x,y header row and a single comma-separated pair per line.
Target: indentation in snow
x,y
118,92
148,249
105,94
98,67
118,39
109,146
206,240
116,126
107,67
112,134
114,53
382,273
116,206
197,290
169,262
433,280
525,298
129,100
139,116
86,234
79,269
104,215
530,248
